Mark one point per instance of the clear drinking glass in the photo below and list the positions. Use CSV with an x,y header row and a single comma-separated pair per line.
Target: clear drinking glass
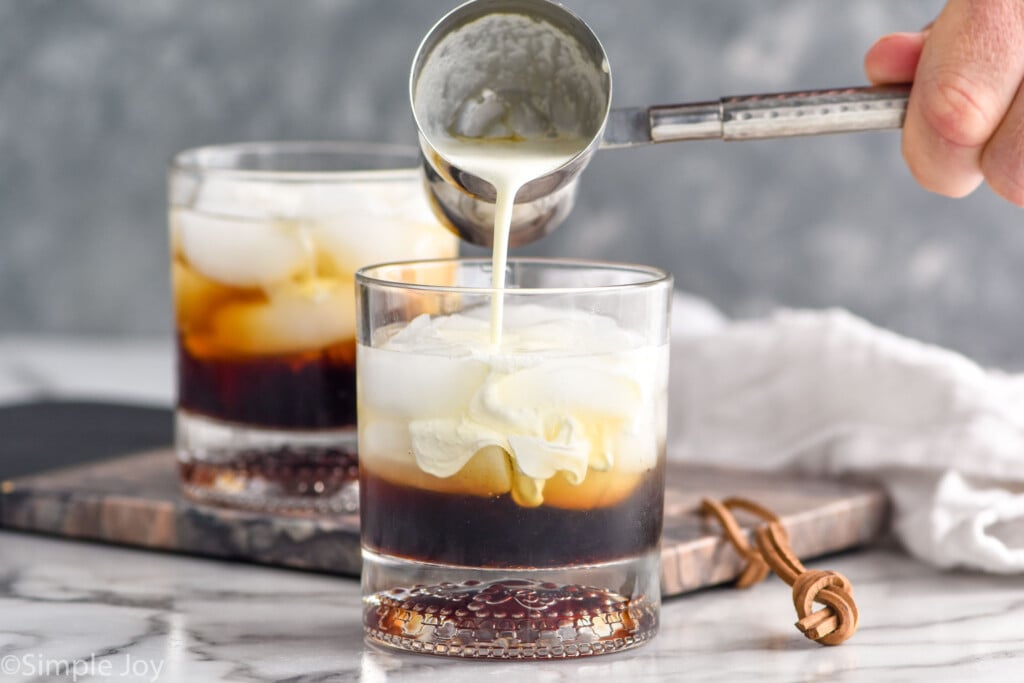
x,y
512,489
266,239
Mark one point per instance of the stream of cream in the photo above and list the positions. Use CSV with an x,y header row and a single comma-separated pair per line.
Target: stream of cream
x,y
508,165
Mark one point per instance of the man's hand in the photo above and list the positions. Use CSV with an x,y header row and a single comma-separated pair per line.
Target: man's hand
x,y
965,120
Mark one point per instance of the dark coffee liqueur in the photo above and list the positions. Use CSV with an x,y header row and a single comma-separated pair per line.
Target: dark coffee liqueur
x,y
508,617
311,390
497,532
308,390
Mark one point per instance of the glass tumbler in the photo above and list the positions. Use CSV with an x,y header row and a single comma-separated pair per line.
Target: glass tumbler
x,y
265,242
511,461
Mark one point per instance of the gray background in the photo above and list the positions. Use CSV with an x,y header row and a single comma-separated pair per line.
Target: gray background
x,y
96,95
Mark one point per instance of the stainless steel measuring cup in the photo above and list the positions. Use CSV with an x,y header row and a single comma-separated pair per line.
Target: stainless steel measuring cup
x,y
491,66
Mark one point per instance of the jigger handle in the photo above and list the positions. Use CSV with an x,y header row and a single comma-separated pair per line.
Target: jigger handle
x,y
751,117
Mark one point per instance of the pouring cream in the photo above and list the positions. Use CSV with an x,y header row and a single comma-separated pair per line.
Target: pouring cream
x,y
507,164
501,99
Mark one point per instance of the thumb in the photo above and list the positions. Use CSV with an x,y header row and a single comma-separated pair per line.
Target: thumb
x,y
894,57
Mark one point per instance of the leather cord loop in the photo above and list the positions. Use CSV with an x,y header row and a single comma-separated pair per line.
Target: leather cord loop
x,y
837,620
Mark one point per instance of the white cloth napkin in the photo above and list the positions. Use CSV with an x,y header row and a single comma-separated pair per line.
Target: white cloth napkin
x,y
825,392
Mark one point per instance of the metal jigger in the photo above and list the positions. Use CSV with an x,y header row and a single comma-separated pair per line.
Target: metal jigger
x,y
463,56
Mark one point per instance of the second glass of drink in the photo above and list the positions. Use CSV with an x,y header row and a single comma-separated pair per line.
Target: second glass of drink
x,y
266,239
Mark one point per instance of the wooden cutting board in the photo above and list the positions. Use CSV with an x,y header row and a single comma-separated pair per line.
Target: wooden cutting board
x,y
134,500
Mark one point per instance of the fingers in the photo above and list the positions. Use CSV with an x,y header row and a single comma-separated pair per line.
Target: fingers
x,y
1002,160
893,58
968,75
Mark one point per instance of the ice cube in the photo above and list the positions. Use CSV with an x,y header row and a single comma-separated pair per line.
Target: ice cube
x,y
488,473
243,253
412,386
385,441
384,450
195,296
597,490
298,317
249,198
388,194
359,239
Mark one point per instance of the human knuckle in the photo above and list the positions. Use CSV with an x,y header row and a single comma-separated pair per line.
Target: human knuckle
x,y
959,111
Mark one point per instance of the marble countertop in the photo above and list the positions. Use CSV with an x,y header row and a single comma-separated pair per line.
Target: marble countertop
x,y
183,619
108,613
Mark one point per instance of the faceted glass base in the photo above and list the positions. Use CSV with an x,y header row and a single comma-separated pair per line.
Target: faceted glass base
x,y
549,613
266,469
